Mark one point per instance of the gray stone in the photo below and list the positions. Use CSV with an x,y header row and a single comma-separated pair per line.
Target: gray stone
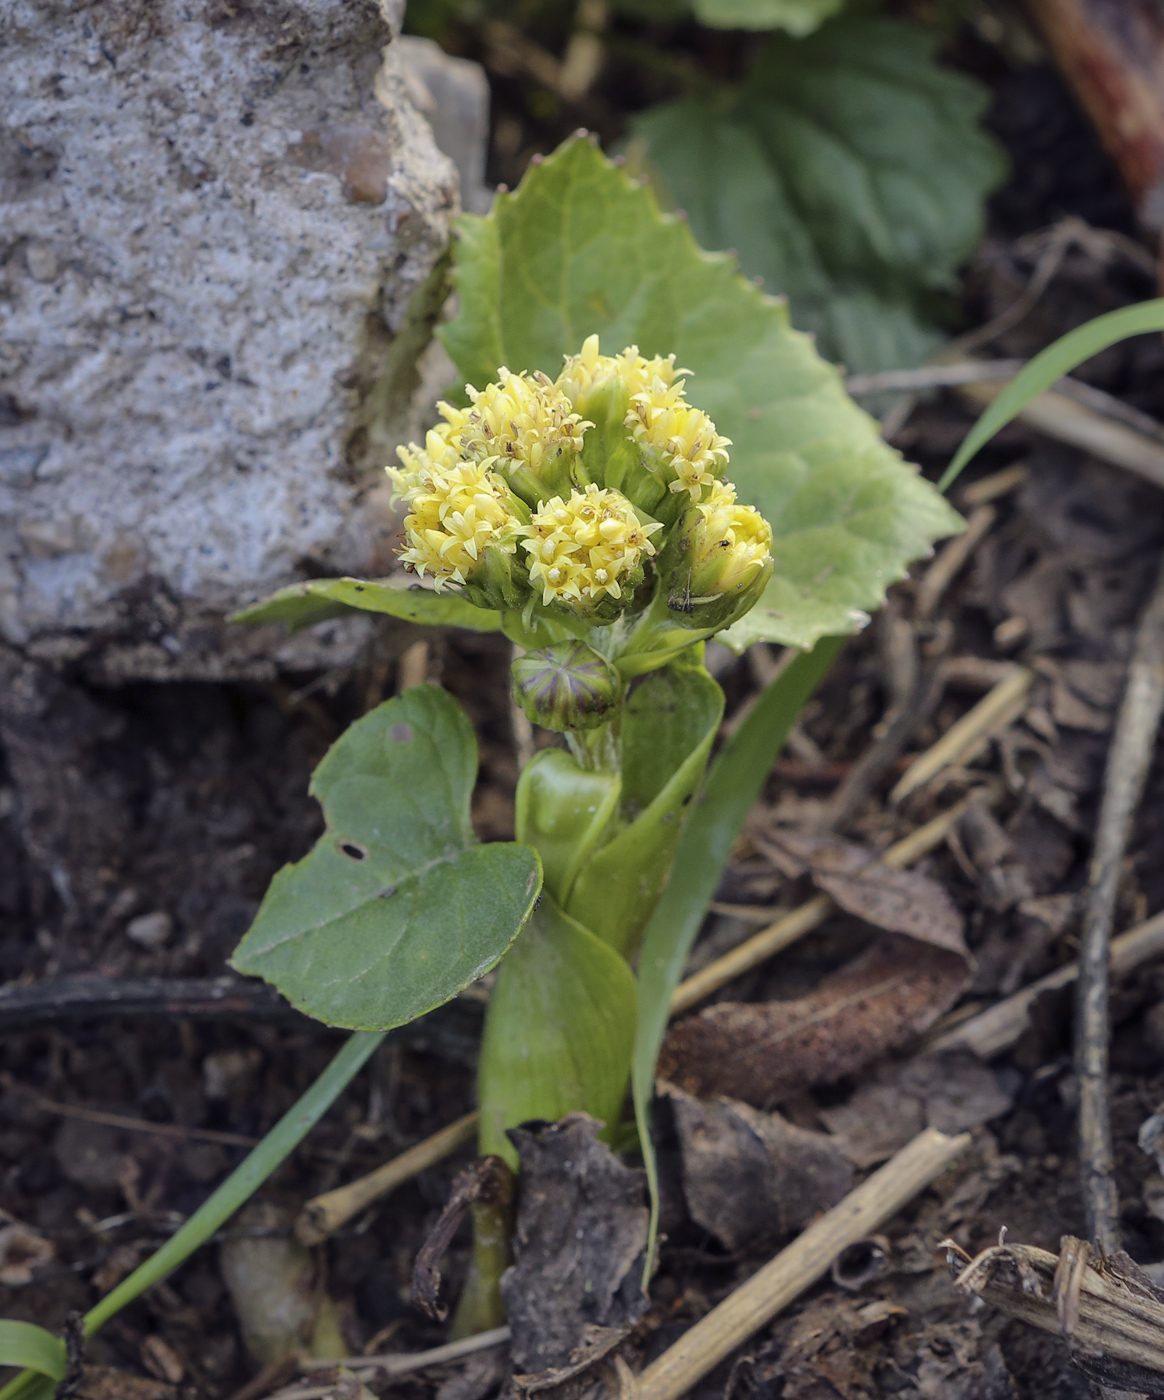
x,y
453,94
212,219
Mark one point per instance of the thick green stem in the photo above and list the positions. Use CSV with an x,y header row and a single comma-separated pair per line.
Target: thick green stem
x,y
242,1183
480,1307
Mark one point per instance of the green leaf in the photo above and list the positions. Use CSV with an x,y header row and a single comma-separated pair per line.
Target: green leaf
x,y
668,726
849,172
25,1344
1052,364
797,17
558,1032
301,604
562,811
580,248
732,786
396,909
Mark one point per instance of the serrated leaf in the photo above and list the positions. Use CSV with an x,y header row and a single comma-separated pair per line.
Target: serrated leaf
x,y
668,725
559,1031
849,171
396,909
301,604
799,17
580,248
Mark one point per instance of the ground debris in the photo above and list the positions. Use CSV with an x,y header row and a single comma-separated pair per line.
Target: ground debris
x,y
579,1248
1106,1309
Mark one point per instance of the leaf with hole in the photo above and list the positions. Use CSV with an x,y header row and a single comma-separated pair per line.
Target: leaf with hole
x,y
849,171
302,604
580,248
397,908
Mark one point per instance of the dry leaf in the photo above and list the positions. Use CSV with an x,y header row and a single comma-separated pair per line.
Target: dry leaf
x,y
898,901
764,1052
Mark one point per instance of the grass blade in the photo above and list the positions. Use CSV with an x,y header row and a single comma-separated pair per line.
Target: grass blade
x,y
1052,364
731,788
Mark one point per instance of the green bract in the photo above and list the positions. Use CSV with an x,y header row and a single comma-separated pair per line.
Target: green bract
x,y
848,171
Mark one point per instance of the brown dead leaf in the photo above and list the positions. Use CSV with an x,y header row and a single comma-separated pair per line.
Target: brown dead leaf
x,y
898,901
764,1052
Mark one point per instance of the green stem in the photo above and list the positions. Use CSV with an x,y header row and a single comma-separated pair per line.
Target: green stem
x,y
480,1307
242,1183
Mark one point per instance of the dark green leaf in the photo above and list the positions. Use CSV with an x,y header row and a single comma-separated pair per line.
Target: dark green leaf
x,y
396,909
732,786
849,172
580,248
1052,364
558,1033
669,723
798,17
301,604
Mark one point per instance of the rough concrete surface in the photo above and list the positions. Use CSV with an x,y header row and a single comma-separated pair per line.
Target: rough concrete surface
x,y
212,217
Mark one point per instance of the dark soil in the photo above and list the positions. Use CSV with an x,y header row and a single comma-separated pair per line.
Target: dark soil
x,y
180,802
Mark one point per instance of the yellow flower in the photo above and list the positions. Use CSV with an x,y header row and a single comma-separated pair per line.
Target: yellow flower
x,y
455,510
589,370
586,548
730,545
678,441
522,421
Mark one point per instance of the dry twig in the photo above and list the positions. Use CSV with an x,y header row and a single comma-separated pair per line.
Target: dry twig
x,y
808,1258
1128,761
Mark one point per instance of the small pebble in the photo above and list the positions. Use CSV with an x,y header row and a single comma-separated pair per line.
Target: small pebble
x,y
150,930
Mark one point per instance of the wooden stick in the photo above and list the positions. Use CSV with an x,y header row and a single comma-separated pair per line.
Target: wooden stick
x,y
1128,761
993,713
995,486
998,1027
401,1363
326,1213
953,556
796,1268
788,929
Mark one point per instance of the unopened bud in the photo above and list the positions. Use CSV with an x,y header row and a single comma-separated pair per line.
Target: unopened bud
x,y
565,686
721,562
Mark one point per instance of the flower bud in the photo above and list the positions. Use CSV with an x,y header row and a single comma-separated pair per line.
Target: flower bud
x,y
463,524
720,561
586,553
525,429
565,686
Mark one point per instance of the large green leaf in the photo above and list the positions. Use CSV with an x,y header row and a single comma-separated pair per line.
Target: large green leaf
x,y
734,783
396,909
849,172
558,1032
580,247
797,17
301,604
668,726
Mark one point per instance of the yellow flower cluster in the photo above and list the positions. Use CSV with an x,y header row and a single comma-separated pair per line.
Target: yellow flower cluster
x,y
583,549
522,421
589,370
731,544
455,509
680,437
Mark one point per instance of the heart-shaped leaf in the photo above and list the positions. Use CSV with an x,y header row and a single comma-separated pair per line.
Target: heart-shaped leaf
x,y
580,248
397,908
301,604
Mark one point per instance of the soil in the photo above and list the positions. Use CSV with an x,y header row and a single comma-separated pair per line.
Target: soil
x,y
140,827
